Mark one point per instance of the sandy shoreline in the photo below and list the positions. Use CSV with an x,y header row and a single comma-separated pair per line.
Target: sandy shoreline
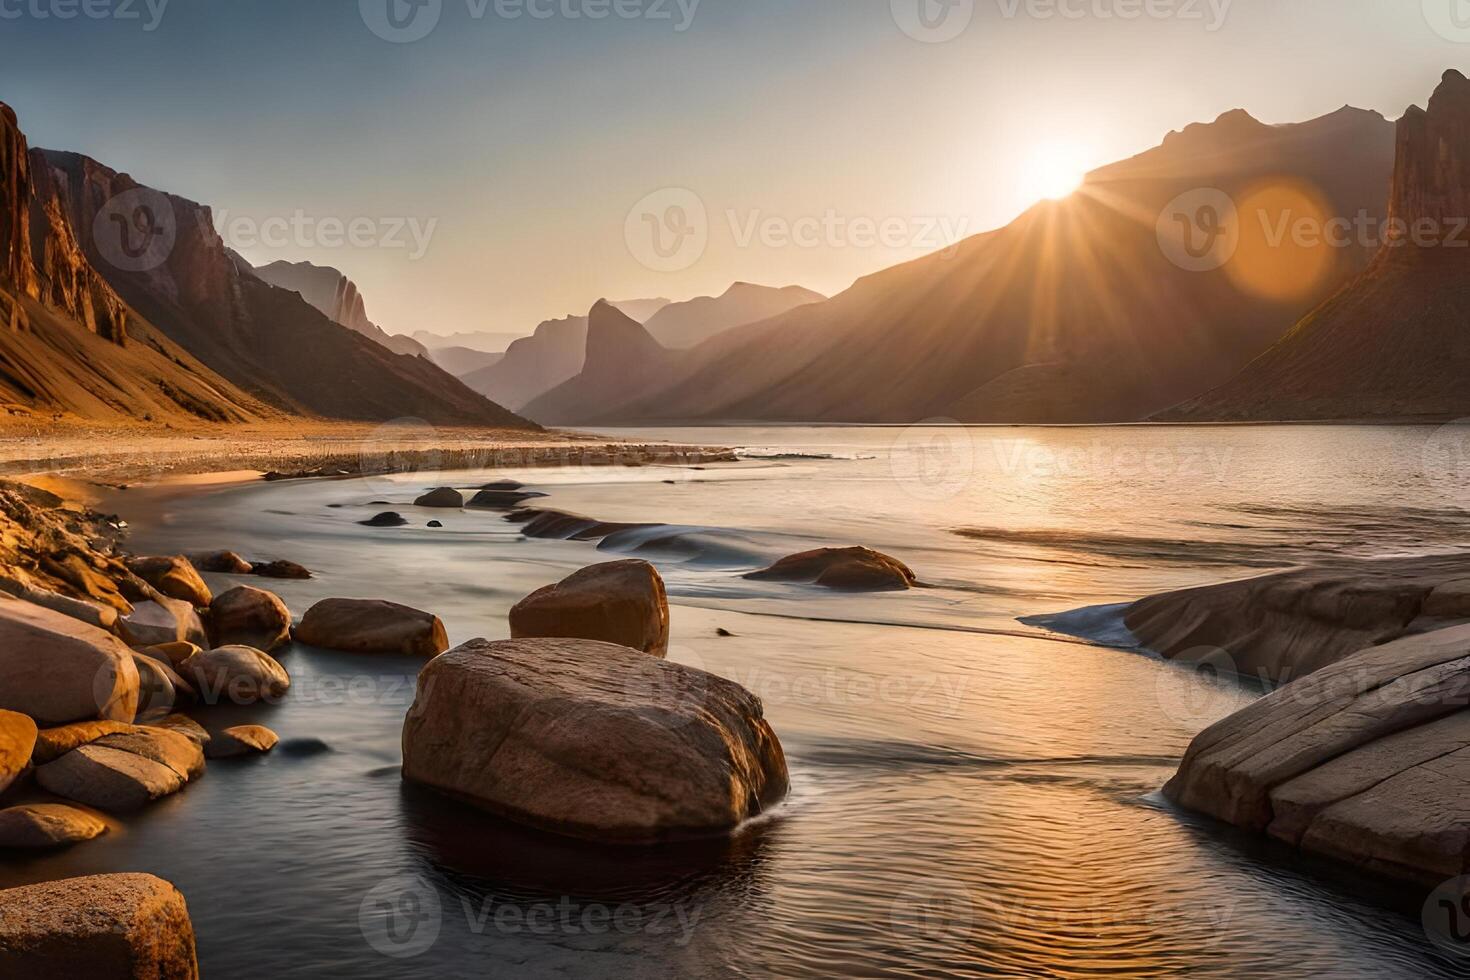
x,y
151,454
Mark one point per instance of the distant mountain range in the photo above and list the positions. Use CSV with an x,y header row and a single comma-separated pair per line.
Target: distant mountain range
x,y
334,294
123,301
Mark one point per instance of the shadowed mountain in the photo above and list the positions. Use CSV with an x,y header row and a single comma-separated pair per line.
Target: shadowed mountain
x,y
168,263
69,345
1073,312
1394,342
682,325
334,294
622,361
460,361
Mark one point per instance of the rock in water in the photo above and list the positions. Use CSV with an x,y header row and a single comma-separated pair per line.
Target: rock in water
x,y
58,669
159,687
174,576
162,620
502,499
109,779
224,562
167,748
842,569
123,926
185,726
17,743
591,740
241,740
53,743
1367,760
43,825
619,602
446,497
250,617
281,569
372,626
386,519
236,675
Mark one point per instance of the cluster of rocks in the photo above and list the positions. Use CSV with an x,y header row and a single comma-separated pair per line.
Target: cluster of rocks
x,y
579,726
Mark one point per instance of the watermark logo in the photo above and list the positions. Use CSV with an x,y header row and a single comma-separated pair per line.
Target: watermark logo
x,y
1450,19
679,680
668,230
411,235
933,21
401,917
135,231
1445,455
1199,230
1188,693
1446,917
937,910
149,13
401,21
933,460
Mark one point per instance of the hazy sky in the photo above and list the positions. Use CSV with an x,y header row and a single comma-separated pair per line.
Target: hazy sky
x,y
821,140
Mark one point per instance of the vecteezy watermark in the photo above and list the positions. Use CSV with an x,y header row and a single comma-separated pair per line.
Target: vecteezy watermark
x,y
1199,230
1446,917
146,13
136,231
668,230
301,230
1101,457
934,910
933,460
1188,690
1445,455
1450,19
406,21
937,21
401,917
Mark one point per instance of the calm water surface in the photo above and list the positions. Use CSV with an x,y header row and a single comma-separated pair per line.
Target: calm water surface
x,y
971,796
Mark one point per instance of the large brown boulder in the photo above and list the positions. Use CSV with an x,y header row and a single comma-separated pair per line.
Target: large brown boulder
x,y
44,825
1366,760
109,779
17,744
162,620
372,626
619,602
103,927
841,569
592,740
174,576
246,616
236,675
58,669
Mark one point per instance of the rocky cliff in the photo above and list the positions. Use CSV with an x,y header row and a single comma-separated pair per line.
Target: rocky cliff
x,y
1392,343
622,360
338,297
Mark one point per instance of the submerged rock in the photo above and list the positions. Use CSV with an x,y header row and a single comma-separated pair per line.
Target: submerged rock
x,y
281,569
246,616
17,744
44,825
124,926
372,626
591,740
58,669
241,740
386,519
185,726
619,602
174,576
842,569
236,675
223,562
446,497
502,499
1367,760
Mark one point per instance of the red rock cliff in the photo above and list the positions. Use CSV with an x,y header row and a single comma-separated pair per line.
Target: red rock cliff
x,y
1431,183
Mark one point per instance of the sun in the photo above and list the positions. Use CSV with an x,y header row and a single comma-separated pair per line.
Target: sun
x,y
1054,170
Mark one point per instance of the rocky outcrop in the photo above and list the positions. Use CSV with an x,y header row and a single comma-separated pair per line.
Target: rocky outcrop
x,y
1288,624
236,675
591,740
841,569
1391,343
40,826
174,576
17,743
1367,760
58,670
372,626
620,602
246,616
334,294
123,926
621,364
241,740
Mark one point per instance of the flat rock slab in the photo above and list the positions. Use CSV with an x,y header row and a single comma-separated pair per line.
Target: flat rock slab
x,y
53,743
108,779
592,740
372,626
124,926
45,825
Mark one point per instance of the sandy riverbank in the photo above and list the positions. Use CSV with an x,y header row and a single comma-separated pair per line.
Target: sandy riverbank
x,y
150,454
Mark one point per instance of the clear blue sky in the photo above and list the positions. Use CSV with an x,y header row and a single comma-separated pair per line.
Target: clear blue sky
x,y
527,140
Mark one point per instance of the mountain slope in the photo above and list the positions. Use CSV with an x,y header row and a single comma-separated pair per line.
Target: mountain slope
x,y
334,294
1073,312
69,345
1395,342
682,325
268,341
622,360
